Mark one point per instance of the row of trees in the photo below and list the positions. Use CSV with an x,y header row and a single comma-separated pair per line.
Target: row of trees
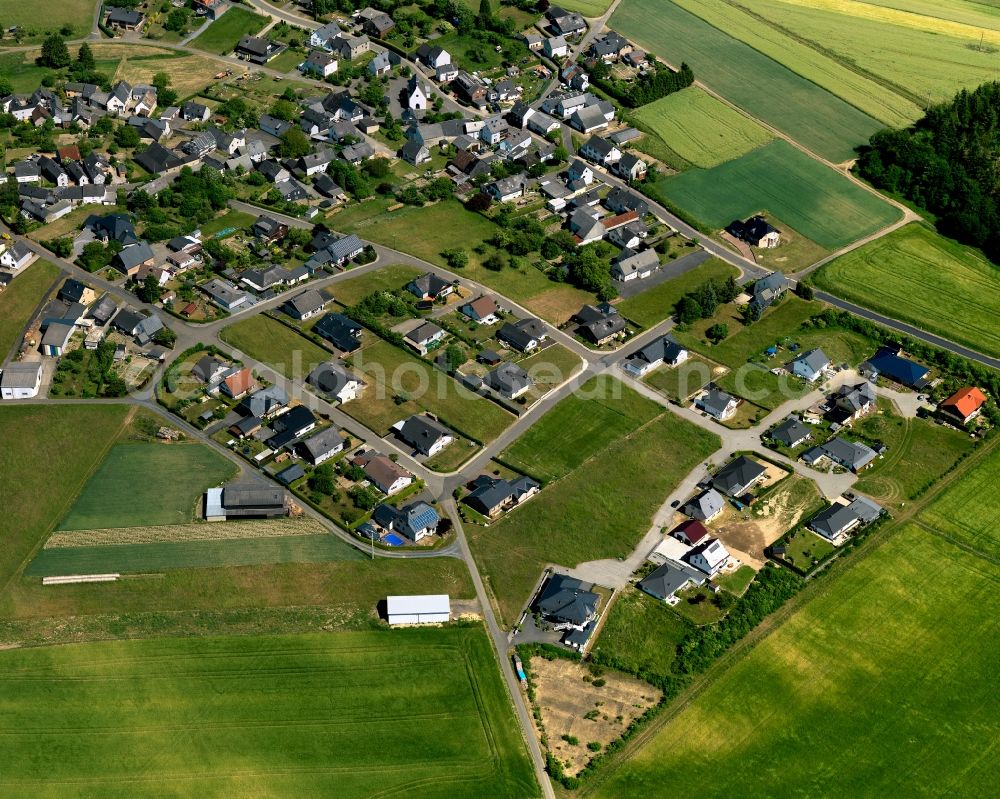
x,y
947,163
702,302
658,81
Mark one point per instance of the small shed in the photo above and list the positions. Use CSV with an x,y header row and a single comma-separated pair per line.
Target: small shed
x,y
418,609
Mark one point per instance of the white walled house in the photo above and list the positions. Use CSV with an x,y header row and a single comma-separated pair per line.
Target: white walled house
x,y
21,381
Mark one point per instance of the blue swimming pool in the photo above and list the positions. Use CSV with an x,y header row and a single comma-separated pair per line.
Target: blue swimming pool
x,y
393,540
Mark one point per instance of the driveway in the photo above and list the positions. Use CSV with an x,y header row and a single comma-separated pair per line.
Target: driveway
x,y
668,272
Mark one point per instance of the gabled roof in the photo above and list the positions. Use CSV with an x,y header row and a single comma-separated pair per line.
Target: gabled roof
x,y
814,360
428,284
323,443
422,433
692,529
668,579
382,471
716,401
737,474
791,431
713,551
331,378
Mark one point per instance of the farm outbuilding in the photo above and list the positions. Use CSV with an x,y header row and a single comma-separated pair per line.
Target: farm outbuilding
x,y
418,609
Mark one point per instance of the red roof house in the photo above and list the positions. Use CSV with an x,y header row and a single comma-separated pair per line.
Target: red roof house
x,y
965,404
690,532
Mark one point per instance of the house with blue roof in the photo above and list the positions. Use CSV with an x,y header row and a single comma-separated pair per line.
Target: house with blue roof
x,y
416,520
888,363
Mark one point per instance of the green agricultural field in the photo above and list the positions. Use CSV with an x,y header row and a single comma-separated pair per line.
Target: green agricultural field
x,y
579,425
656,304
924,56
917,276
919,453
640,634
588,8
19,300
36,24
387,278
882,684
222,36
145,484
417,712
447,225
700,128
273,343
890,103
791,103
124,558
967,511
817,201
598,510
394,373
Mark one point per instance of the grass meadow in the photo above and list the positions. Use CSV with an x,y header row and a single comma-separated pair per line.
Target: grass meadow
x,y
818,202
915,275
880,684
967,511
188,73
680,382
273,343
388,278
766,89
641,634
19,300
422,388
600,508
417,712
700,128
222,36
141,484
36,23
655,304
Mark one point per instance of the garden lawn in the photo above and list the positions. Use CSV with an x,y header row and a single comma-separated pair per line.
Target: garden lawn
x,y
599,510
427,231
272,342
231,219
19,300
394,373
968,509
22,72
601,411
919,452
657,303
882,683
141,484
818,202
917,276
700,128
387,278
640,635
811,115
224,34
680,382
293,715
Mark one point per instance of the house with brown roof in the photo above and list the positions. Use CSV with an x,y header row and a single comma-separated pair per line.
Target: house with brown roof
x,y
383,473
238,384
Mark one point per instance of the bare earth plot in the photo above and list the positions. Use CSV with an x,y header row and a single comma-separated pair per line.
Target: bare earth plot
x,y
811,115
420,713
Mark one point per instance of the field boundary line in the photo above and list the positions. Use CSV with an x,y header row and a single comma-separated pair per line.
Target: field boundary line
x,y
955,542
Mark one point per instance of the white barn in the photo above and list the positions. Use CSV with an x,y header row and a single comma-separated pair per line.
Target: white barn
x,y
418,609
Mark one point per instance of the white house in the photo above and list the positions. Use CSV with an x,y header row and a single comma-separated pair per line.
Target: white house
x,y
555,47
21,381
416,95
17,256
810,365
709,557
418,609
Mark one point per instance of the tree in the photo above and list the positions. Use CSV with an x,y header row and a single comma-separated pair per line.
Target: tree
x,y
495,262
322,480
150,290
294,144
165,337
456,257
55,54
688,310
62,247
126,136
804,290
177,20
485,13
284,109
5,86
376,167
717,333
85,58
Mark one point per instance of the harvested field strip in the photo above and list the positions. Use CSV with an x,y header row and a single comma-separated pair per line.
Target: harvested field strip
x,y
133,558
216,531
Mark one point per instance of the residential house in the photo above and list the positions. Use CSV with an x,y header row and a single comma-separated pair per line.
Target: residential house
x,y
380,64
493,131
691,532
20,380
324,445
356,153
319,63
312,163
717,404
424,434
482,310
383,473
555,47
208,369
237,384
706,506
600,151
630,167
17,256
469,88
256,50
52,172
852,455
349,47
738,476
589,118
585,224
666,580
225,294
446,73
27,172
710,556
888,363
567,602
416,521
622,201
756,232
543,124
123,19
340,331
432,56
273,126
810,365
851,402
663,350
506,189
306,304
791,432
291,426
579,172
413,152
157,159
491,496
336,381
564,22
195,112
140,326
376,23
265,403
609,47
964,405
291,190
523,335
429,287
509,380
837,521
75,291
268,229
599,324
322,36
768,289
631,265
130,260
424,337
